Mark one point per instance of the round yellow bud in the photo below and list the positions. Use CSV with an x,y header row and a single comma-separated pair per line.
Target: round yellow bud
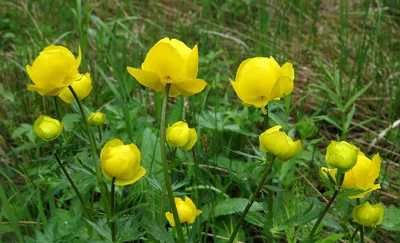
x,y
53,70
368,215
122,162
278,143
260,80
82,87
187,211
47,128
341,155
181,136
96,119
170,61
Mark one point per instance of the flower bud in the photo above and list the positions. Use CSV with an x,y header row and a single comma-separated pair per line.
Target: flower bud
x,y
279,144
122,162
368,215
186,210
341,155
82,86
96,119
181,136
47,128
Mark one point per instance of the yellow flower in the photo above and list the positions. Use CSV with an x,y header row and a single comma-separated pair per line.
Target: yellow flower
x,y
362,176
170,61
260,80
368,215
186,210
341,155
96,119
82,87
278,143
47,128
122,162
181,136
53,70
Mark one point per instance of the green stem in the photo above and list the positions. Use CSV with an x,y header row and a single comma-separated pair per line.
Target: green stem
x,y
112,211
361,227
167,178
93,149
57,109
74,187
99,130
355,233
251,200
270,196
323,212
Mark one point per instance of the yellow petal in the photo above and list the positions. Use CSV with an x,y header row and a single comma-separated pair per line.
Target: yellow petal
x,y
135,150
193,139
191,87
190,203
47,90
363,194
170,218
135,177
283,86
146,78
166,62
82,87
287,70
192,64
78,60
110,144
173,91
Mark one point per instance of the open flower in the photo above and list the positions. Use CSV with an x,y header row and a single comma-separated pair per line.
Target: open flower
x,y
368,215
260,80
122,162
362,176
181,136
186,210
47,128
96,119
170,61
277,142
341,155
82,87
53,70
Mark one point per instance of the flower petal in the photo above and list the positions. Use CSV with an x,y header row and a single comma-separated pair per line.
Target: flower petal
x,y
146,78
191,87
135,177
170,218
82,87
193,139
110,144
288,70
192,64
283,86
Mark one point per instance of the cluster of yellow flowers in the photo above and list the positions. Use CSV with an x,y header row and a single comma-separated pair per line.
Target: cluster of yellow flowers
x,y
360,173
259,81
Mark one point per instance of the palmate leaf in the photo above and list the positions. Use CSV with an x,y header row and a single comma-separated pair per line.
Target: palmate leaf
x,y
301,218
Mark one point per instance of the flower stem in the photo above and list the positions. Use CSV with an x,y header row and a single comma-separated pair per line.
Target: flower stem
x,y
93,149
112,211
167,178
355,233
90,217
323,212
251,200
361,227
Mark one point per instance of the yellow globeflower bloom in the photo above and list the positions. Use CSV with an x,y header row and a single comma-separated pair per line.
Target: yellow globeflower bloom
x,y
53,70
181,136
96,119
368,215
47,128
362,176
170,61
82,87
341,155
187,211
122,162
279,144
260,80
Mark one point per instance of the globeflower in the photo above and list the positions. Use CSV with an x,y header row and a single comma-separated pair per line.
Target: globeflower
x,y
278,143
341,155
47,128
181,136
53,70
122,162
186,210
170,61
260,80
82,87
96,119
368,215
362,176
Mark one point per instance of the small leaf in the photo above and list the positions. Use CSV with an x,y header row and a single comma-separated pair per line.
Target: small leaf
x,y
355,97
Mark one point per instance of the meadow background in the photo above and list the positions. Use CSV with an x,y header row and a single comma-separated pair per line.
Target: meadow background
x,y
347,71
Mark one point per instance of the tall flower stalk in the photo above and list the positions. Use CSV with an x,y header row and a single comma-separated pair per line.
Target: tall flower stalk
x,y
167,178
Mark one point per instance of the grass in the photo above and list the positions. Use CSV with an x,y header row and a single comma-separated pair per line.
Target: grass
x,y
345,56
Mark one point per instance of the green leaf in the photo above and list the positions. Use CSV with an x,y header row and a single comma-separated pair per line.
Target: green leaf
x,y
349,118
301,218
391,218
331,239
355,96
70,120
151,155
